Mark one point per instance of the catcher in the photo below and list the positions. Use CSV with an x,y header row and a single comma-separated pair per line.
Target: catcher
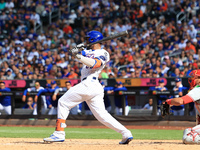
x,y
190,135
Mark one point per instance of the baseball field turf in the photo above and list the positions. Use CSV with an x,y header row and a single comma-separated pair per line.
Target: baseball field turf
x,y
92,138
89,133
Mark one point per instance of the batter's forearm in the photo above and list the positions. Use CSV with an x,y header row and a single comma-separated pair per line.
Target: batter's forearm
x,y
90,62
87,61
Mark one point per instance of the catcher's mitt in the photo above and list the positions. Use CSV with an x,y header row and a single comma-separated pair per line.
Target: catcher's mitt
x,y
164,108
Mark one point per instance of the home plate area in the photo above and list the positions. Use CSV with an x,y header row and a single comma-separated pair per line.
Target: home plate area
x,y
92,144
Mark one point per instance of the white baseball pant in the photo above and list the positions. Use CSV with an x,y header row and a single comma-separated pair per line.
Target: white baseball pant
x,y
92,92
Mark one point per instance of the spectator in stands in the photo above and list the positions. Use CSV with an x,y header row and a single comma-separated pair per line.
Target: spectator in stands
x,y
192,32
71,17
182,44
9,75
155,74
40,9
9,5
41,37
154,40
149,105
32,54
143,74
68,29
2,5
5,101
178,92
2,75
137,73
131,73
190,47
123,74
72,74
34,19
48,65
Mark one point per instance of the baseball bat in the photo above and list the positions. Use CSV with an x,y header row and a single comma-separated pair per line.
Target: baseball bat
x,y
124,33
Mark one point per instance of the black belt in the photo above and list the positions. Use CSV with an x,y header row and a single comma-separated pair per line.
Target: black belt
x,y
92,78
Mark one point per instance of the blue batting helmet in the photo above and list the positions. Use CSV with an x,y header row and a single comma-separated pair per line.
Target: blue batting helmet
x,y
94,36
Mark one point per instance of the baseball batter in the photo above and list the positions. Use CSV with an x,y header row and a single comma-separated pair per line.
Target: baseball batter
x,y
190,135
89,90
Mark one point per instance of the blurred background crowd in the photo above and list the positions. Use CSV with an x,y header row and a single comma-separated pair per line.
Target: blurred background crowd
x,y
163,37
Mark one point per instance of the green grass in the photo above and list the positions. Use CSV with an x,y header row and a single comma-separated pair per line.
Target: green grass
x,y
87,133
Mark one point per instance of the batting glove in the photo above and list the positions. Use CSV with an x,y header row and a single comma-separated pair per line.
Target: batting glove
x,y
80,47
74,51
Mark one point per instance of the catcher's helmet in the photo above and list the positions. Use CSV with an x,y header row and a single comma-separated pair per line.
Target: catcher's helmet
x,y
193,75
94,36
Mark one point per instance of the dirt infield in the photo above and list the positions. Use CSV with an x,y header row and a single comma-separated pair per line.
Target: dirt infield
x,y
92,144
97,144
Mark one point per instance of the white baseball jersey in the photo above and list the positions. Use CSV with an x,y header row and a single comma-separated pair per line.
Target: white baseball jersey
x,y
100,54
90,91
195,95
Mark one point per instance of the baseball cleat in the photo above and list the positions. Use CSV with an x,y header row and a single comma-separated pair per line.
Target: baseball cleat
x,y
126,140
53,138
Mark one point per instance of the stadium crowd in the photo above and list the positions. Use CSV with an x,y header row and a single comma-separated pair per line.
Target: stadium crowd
x,y
157,44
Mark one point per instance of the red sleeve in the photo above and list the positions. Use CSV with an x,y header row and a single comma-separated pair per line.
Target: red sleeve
x,y
187,99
